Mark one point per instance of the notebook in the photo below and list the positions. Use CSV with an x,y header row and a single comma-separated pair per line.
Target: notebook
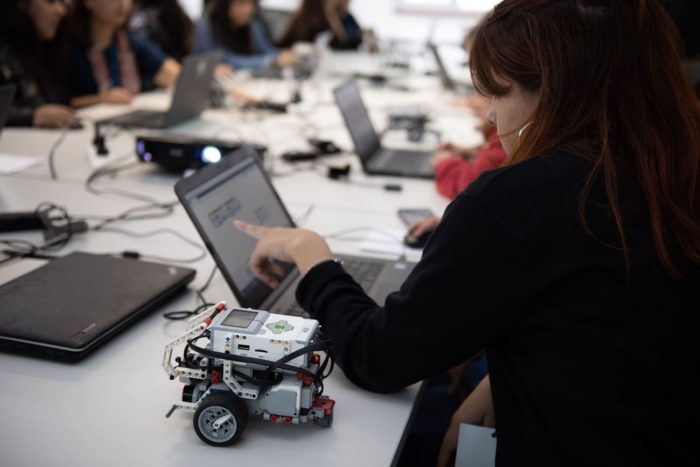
x,y
375,159
70,306
238,187
190,98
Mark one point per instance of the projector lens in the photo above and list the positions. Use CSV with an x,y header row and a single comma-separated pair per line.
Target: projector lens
x,y
211,155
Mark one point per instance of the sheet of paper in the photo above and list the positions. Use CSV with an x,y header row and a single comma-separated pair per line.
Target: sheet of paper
x,y
10,163
388,242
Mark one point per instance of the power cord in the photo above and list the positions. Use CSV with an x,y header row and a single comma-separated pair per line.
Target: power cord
x,y
185,314
163,231
54,148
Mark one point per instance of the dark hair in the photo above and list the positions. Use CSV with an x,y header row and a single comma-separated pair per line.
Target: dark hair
x,y
80,24
238,39
612,89
307,22
174,32
43,61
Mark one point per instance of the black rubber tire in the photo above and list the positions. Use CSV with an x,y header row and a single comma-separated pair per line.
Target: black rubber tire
x,y
221,402
326,421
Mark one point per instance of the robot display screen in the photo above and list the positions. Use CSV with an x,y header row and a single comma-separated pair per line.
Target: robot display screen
x,y
239,319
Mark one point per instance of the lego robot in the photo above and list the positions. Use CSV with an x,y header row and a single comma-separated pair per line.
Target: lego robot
x,y
255,363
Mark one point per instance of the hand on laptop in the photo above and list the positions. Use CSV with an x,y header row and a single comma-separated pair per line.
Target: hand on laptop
x,y
286,58
302,247
116,96
53,116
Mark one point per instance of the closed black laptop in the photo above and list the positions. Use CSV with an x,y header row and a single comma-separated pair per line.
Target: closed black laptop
x,y
70,306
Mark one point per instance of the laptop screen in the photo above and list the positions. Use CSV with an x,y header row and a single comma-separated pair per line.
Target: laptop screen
x,y
239,191
349,101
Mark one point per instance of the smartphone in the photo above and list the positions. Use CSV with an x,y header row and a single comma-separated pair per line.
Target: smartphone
x,y
410,216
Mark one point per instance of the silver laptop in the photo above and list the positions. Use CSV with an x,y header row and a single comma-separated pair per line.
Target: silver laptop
x,y
375,159
190,98
238,187
445,78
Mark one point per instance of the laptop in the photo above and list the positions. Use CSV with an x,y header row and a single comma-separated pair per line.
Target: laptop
x,y
446,79
68,307
375,159
190,98
7,93
238,187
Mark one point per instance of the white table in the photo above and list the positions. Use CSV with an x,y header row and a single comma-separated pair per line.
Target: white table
x,y
109,409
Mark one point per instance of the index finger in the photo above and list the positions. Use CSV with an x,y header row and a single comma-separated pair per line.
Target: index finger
x,y
253,230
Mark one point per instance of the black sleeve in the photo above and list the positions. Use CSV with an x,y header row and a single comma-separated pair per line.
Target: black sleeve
x,y
26,98
461,296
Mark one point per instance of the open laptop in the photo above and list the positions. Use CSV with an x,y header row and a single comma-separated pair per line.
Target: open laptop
x,y
68,307
375,159
190,98
238,187
445,78
7,93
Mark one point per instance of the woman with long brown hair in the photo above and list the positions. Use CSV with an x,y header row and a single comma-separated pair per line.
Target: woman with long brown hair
x,y
314,17
576,266
109,65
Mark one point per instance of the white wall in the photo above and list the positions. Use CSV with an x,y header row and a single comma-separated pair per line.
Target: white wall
x,y
382,16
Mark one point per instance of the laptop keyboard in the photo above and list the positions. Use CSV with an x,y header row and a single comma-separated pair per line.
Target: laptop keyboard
x,y
404,160
365,273
145,118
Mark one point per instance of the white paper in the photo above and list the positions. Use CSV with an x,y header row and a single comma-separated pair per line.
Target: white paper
x,y
10,163
389,242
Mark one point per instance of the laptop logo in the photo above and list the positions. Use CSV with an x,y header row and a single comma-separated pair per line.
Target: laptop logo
x,y
86,330
172,271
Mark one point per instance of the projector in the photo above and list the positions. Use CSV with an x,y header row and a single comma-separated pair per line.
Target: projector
x,y
178,153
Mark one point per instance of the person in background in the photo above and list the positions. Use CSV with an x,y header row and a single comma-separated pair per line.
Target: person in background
x,y
233,27
109,64
456,167
164,23
316,16
32,57
576,266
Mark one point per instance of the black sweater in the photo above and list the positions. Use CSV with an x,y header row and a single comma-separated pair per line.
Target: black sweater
x,y
586,367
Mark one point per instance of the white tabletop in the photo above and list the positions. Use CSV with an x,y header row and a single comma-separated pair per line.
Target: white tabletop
x,y
109,409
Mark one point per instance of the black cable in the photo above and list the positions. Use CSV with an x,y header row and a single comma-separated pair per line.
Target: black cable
x,y
202,289
271,366
184,314
202,251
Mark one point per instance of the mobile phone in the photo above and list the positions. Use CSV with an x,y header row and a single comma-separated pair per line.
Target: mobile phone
x,y
410,216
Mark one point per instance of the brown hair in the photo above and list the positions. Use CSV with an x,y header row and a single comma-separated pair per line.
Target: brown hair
x,y
612,89
306,23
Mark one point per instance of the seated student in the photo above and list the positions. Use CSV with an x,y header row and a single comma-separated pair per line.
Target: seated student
x,y
164,23
232,26
316,16
576,266
31,59
456,167
109,64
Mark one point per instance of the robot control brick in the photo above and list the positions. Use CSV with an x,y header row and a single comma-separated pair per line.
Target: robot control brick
x,y
254,363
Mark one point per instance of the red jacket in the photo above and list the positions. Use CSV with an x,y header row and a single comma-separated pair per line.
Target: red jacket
x,y
453,174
